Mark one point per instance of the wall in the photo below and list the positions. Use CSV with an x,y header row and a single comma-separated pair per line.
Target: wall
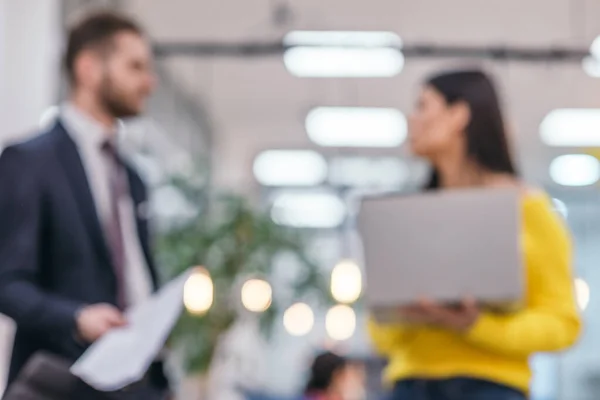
x,y
29,50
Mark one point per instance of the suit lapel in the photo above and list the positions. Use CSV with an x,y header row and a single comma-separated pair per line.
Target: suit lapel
x,y
78,180
72,164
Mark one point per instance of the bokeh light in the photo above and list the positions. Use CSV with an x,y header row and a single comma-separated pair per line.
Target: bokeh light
x,y
346,282
257,295
340,322
299,319
198,292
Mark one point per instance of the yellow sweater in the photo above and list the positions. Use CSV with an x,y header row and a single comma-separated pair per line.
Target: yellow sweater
x,y
497,347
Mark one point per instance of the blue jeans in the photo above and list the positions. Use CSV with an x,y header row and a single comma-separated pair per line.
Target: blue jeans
x,y
453,389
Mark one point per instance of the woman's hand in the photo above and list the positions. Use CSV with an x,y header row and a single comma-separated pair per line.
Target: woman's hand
x,y
459,319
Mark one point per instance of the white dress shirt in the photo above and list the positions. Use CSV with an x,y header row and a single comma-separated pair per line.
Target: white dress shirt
x,y
89,135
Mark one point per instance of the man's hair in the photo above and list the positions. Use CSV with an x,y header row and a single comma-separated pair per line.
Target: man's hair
x,y
96,31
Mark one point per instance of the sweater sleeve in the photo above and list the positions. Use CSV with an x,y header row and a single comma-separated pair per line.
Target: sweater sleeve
x,y
386,337
550,320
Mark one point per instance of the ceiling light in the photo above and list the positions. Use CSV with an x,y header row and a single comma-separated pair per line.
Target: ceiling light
x,y
290,168
308,209
571,127
343,54
591,63
591,66
342,38
575,170
299,319
343,62
368,172
595,48
340,322
356,127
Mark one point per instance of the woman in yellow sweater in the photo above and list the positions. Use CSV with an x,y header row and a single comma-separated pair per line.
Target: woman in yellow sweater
x,y
466,353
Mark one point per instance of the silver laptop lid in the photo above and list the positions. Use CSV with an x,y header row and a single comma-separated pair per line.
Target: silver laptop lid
x,y
442,245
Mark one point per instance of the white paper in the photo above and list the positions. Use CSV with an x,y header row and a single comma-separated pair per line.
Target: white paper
x,y
122,356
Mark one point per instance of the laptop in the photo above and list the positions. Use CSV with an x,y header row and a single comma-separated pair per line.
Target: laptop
x,y
444,246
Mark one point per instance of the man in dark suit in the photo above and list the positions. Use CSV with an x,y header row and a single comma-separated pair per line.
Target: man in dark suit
x,y
74,245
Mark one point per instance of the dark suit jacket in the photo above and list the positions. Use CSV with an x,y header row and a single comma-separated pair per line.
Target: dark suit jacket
x,y
53,255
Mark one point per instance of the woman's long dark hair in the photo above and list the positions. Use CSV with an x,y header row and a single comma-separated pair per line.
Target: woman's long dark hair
x,y
487,141
323,370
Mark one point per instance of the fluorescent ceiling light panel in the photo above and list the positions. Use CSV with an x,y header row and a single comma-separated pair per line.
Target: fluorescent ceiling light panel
x,y
595,48
368,172
356,127
343,62
290,168
308,209
571,127
343,39
591,66
575,170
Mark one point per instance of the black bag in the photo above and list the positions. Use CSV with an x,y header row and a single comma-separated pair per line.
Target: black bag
x,y
45,377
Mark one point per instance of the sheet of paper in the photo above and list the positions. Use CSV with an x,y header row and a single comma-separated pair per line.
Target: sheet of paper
x,y
123,356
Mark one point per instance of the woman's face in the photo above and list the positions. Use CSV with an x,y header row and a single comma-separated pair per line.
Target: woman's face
x,y
432,125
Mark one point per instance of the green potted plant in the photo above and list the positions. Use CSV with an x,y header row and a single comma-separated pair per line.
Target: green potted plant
x,y
233,240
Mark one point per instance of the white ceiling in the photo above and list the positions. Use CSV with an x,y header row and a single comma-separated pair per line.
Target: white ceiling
x,y
255,104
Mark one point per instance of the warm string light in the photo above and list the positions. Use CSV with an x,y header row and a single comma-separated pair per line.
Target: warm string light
x,y
298,319
346,282
257,295
340,322
198,292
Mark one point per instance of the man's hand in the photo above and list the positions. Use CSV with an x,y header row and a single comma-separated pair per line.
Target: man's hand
x,y
96,320
459,319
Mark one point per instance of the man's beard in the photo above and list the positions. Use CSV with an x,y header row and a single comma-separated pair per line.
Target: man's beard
x,y
115,102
